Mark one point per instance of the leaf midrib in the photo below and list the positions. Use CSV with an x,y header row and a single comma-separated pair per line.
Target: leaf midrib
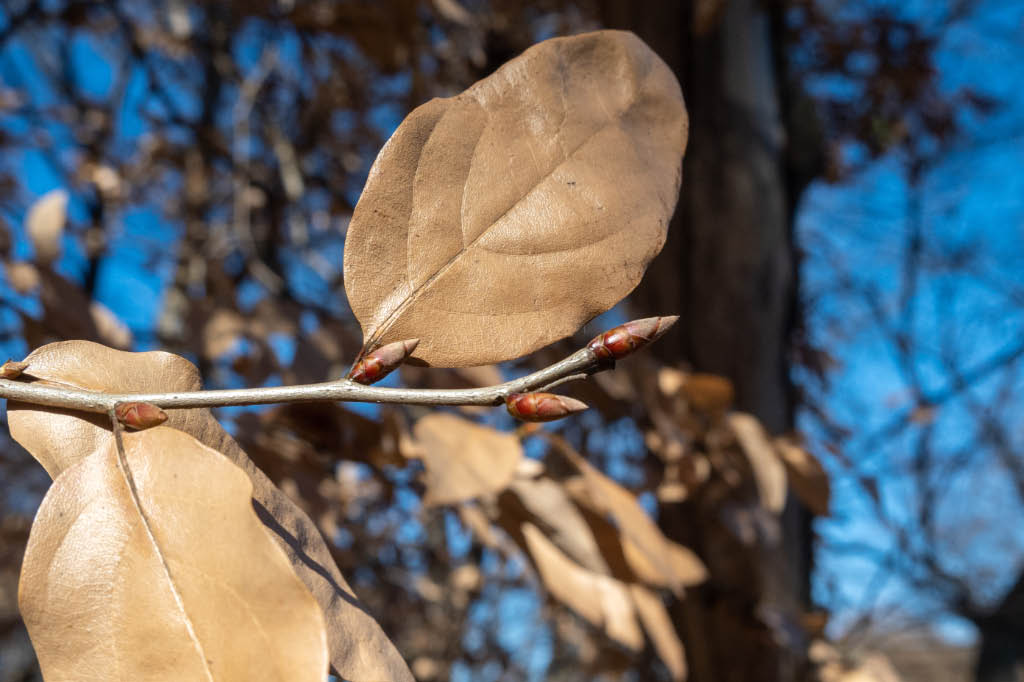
x,y
126,473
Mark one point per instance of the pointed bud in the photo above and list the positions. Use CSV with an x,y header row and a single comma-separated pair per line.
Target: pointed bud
x,y
12,369
139,415
381,362
619,342
542,407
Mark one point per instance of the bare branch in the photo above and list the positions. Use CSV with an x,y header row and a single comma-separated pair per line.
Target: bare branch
x,y
340,390
577,366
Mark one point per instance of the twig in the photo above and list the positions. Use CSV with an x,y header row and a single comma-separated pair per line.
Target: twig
x,y
598,355
341,390
572,377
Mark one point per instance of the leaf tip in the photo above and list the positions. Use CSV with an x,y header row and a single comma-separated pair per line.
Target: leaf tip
x,y
542,407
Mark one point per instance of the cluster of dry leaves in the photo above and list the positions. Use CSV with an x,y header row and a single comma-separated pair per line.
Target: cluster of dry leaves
x,y
492,224
152,539
593,546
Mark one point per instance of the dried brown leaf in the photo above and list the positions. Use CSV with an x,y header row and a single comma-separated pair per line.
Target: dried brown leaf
x,y
686,565
109,326
23,277
221,332
464,460
45,222
475,520
658,625
671,381
598,599
769,473
453,11
59,438
529,468
708,393
554,512
360,651
623,556
128,579
500,220
609,498
806,475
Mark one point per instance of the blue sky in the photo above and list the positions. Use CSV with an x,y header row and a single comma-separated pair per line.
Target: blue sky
x,y
970,206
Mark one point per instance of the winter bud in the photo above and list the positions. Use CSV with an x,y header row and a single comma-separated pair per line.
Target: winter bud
x,y
619,342
381,362
139,415
542,407
12,369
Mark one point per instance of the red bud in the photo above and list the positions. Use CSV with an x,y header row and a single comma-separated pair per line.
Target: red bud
x,y
381,362
12,369
139,415
542,407
619,342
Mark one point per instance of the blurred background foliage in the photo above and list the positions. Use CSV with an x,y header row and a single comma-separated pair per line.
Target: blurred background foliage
x,y
846,257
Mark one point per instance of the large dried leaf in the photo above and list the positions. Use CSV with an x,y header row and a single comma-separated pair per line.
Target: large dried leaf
x,y
464,460
609,498
554,512
598,599
500,220
769,473
163,573
658,624
625,559
44,223
360,650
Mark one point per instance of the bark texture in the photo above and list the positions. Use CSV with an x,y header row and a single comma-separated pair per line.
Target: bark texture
x,y
728,268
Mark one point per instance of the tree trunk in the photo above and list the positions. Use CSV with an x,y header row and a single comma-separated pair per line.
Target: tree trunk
x,y
1000,658
728,269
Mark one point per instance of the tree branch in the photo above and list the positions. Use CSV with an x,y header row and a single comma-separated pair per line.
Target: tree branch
x,y
578,365
598,355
